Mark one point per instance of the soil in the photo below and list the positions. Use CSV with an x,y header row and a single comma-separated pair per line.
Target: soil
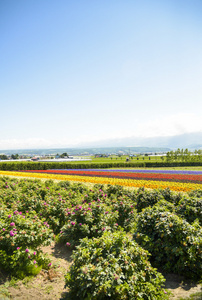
x,y
49,285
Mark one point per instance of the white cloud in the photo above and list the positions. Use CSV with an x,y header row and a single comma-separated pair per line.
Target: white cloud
x,y
163,126
171,125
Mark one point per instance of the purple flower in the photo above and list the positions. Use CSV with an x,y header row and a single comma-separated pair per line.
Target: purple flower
x,y
12,224
73,223
9,216
34,253
49,264
34,261
18,248
68,244
3,229
26,250
11,233
80,224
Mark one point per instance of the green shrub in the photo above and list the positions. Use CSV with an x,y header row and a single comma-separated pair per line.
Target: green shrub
x,y
190,209
113,267
20,239
87,220
175,245
127,213
147,198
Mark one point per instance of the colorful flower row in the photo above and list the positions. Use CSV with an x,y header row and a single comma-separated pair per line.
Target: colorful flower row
x,y
129,175
152,184
191,172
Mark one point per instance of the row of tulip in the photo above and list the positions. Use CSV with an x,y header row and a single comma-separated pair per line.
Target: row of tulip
x,y
151,184
167,171
130,175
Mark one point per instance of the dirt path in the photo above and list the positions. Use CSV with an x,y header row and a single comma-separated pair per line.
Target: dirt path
x,y
50,285
47,285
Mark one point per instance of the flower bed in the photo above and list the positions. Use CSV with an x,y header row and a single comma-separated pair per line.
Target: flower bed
x,y
152,180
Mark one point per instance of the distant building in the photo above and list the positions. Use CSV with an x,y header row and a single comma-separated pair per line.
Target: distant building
x,y
35,158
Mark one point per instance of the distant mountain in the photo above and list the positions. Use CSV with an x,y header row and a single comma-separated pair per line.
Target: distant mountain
x,y
87,151
186,140
128,145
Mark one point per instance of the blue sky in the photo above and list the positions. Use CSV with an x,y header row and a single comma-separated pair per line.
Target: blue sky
x,y
74,72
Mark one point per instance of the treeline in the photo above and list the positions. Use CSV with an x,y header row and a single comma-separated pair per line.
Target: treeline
x,y
17,166
181,155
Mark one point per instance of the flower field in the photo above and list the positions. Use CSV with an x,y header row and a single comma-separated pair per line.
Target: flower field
x,y
153,179
115,233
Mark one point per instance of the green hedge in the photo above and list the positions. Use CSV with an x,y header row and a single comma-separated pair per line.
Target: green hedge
x,y
17,166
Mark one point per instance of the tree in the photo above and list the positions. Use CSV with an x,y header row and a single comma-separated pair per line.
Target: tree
x,y
64,155
3,156
15,156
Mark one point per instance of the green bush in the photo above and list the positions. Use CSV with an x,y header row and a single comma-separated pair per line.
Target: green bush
x,y
20,239
190,209
113,267
87,220
175,245
147,198
125,207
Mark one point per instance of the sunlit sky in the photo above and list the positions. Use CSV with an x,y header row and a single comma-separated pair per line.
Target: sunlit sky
x,y
79,71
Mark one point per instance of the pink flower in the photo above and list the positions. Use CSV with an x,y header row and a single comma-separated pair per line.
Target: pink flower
x,y
49,264
11,233
34,253
80,224
12,224
68,244
3,229
34,261
26,250
18,248
9,216
73,223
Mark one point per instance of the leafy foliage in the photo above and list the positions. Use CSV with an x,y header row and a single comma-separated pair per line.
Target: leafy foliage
x,y
113,267
175,245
